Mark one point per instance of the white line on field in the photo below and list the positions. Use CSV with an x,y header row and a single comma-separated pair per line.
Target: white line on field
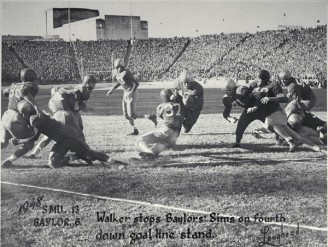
x,y
302,161
155,205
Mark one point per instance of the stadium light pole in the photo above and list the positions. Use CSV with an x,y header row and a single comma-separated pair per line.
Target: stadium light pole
x,y
69,21
46,23
131,34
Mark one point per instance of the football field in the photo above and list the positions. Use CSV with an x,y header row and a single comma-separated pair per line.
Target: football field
x,y
200,193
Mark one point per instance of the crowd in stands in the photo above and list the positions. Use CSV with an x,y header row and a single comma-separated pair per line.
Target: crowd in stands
x,y
51,59
237,55
151,58
97,57
10,66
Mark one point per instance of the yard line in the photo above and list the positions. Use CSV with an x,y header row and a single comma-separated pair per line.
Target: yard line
x,y
155,205
302,160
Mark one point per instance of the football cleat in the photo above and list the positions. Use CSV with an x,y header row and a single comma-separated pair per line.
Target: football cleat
x,y
292,145
235,145
7,164
101,156
147,156
134,133
28,75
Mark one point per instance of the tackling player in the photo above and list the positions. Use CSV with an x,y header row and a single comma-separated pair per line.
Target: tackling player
x,y
125,79
242,95
165,136
306,124
66,105
14,125
299,91
268,98
190,94
66,138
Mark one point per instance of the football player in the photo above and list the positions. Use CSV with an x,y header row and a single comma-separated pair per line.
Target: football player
x,y
190,94
14,125
242,96
129,84
66,137
298,90
306,124
165,136
66,105
268,98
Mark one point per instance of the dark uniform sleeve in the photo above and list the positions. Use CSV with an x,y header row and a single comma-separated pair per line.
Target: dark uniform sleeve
x,y
227,102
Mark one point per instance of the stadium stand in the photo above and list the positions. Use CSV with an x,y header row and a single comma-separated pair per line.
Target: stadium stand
x,y
237,55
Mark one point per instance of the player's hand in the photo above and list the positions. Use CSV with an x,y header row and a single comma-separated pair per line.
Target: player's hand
x,y
14,141
232,119
251,110
173,97
265,100
109,92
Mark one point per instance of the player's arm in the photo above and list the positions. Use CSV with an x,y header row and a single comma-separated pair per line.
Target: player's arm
x,y
279,95
5,92
160,111
33,138
113,88
227,102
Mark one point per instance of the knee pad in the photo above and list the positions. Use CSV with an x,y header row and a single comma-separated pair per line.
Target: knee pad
x,y
294,121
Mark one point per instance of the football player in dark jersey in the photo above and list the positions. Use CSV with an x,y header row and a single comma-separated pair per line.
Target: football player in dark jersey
x,y
242,96
299,91
66,105
190,94
14,125
129,84
164,136
66,137
268,98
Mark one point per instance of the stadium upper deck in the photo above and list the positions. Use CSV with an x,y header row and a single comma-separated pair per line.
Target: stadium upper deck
x,y
236,55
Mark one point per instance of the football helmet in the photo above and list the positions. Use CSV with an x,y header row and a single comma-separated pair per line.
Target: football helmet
x,y
28,75
228,85
285,77
186,77
26,109
118,62
264,75
89,81
166,95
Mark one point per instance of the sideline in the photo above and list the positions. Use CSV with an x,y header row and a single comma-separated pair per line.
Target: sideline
x,y
155,205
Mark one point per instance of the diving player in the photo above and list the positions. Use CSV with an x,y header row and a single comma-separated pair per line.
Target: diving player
x,y
165,136
190,94
268,97
14,125
67,138
125,79
306,124
66,105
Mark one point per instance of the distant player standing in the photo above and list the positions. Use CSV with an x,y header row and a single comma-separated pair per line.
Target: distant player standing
x,y
163,137
125,79
14,125
66,105
190,94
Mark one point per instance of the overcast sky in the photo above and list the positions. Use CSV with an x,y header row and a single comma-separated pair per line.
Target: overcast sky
x,y
175,18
